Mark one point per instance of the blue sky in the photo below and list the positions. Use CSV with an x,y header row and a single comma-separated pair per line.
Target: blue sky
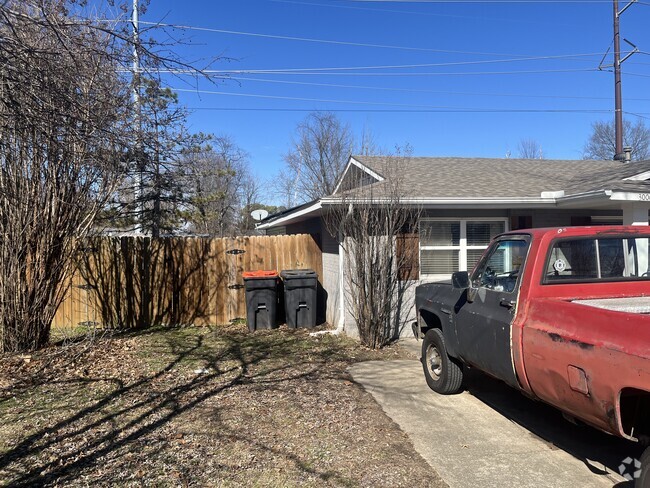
x,y
461,45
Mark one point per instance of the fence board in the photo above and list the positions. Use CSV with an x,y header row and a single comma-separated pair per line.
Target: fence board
x,y
139,281
221,264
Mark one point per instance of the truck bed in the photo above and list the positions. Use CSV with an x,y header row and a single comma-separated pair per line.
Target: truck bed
x,y
640,305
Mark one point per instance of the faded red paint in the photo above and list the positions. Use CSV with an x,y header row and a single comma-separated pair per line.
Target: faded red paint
x,y
578,379
552,337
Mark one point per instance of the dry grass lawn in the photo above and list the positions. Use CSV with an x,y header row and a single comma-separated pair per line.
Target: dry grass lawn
x,y
200,407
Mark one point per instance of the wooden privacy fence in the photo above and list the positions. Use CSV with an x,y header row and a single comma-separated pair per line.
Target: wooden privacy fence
x,y
138,281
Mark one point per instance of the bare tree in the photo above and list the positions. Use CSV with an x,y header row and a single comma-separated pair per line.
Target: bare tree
x,y
216,179
530,149
63,126
318,156
285,188
602,142
376,226
250,197
368,145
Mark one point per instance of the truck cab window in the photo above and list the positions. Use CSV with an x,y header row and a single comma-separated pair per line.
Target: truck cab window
x,y
499,270
604,259
574,259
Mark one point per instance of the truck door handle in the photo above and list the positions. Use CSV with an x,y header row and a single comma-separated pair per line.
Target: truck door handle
x,y
507,303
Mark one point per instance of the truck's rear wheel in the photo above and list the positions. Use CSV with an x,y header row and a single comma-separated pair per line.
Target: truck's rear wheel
x,y
643,481
443,373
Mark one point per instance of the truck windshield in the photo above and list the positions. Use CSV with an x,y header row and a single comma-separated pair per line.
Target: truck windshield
x,y
499,270
598,259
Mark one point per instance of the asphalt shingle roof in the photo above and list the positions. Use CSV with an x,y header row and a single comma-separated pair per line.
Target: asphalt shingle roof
x,y
449,177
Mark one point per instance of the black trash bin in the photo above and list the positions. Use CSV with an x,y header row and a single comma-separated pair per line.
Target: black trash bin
x,y
261,299
300,297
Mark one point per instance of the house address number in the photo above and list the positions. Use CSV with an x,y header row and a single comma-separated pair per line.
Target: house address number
x,y
644,197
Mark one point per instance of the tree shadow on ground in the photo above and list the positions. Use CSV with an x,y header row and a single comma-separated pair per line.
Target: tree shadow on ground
x,y
132,415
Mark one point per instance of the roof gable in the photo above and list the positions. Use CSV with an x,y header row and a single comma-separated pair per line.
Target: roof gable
x,y
355,175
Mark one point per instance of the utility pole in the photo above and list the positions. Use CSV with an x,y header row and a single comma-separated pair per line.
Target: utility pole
x,y
136,58
144,261
139,190
618,99
619,155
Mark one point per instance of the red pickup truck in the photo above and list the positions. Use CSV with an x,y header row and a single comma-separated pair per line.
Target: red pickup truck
x,y
562,315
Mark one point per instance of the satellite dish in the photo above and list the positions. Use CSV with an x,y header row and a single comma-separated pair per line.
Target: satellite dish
x,y
259,215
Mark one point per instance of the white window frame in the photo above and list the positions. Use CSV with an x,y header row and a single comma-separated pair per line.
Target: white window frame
x,y
462,246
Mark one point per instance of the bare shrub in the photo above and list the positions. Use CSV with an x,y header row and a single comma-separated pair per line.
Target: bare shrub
x,y
374,223
63,113
68,137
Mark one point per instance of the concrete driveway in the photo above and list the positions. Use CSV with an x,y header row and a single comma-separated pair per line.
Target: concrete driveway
x,y
491,435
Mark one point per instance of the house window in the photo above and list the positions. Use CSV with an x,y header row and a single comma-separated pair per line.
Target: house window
x,y
447,246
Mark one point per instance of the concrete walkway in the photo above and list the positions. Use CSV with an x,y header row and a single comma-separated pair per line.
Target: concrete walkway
x,y
491,435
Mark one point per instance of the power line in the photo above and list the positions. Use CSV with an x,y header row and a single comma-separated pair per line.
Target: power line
x,y
301,99
327,73
424,90
638,115
637,74
307,99
424,111
407,12
422,65
586,2
323,41
332,41
643,115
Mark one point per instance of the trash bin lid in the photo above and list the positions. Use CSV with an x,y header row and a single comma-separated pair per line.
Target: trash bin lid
x,y
261,274
298,273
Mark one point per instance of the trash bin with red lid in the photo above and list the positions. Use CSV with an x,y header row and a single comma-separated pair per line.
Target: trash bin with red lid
x,y
261,299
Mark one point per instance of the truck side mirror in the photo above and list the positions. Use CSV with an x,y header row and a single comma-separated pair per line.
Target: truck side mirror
x,y
460,280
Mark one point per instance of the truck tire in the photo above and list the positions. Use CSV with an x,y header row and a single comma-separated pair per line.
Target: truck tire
x,y
443,374
643,481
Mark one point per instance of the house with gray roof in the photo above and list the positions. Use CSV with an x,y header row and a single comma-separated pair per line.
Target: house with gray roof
x,y
464,202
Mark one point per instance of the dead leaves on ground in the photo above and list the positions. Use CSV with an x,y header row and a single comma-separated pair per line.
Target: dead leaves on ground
x,y
270,409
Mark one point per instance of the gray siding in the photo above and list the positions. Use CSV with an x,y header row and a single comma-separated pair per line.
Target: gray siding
x,y
330,278
409,314
276,231
349,323
310,226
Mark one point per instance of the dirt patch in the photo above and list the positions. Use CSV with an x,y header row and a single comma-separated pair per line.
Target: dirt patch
x,y
200,407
